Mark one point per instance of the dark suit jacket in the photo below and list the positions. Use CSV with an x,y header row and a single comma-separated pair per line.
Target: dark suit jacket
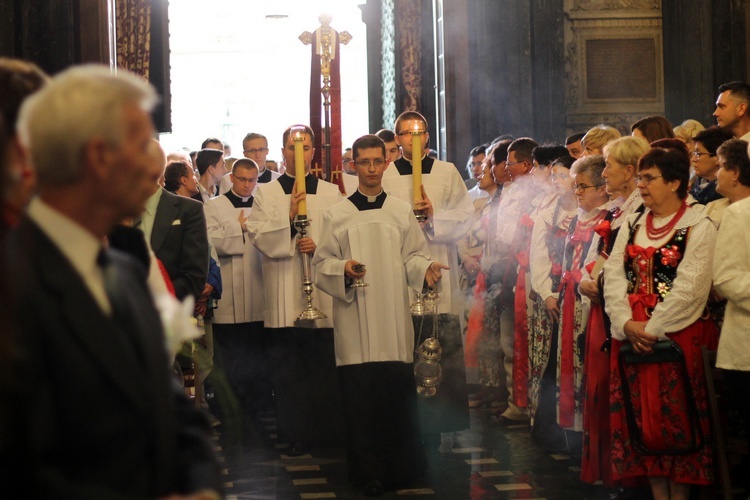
x,y
180,240
98,414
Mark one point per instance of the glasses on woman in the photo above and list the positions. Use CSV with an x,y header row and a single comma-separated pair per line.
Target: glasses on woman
x,y
646,179
697,154
584,187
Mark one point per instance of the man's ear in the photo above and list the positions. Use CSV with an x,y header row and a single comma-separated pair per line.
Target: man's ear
x,y
97,156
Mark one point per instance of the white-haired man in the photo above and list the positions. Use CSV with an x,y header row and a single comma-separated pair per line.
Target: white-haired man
x,y
101,416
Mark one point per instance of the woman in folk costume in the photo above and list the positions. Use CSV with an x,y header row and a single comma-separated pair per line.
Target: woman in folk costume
x,y
592,198
545,197
658,281
470,250
485,338
621,158
545,262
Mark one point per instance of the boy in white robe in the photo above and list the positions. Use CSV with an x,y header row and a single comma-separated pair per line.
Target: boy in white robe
x,y
305,384
238,319
373,330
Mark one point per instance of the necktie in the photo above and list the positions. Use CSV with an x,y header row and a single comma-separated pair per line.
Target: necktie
x,y
121,314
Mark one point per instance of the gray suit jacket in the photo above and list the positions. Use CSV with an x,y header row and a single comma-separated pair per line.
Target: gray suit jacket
x,y
180,241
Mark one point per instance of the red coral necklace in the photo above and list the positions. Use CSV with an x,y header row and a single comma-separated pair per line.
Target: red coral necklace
x,y
656,234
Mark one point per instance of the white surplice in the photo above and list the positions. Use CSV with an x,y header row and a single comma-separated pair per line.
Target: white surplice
x,y
271,232
241,275
453,210
372,323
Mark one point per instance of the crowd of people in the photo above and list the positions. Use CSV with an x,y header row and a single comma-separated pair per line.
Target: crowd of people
x,y
594,276
573,284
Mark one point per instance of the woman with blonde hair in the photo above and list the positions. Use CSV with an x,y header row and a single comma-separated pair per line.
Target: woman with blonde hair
x,y
688,129
621,159
597,137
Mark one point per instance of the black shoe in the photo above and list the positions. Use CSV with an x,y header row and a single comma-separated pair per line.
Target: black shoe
x,y
296,449
374,489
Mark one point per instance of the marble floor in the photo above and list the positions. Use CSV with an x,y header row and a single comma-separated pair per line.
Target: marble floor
x,y
485,461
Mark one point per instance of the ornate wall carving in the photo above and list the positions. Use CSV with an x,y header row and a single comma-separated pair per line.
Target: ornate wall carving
x,y
409,27
617,5
134,36
614,70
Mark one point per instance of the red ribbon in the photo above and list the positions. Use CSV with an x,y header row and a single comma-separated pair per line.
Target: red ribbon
x,y
525,220
604,230
521,341
590,267
645,301
568,284
635,251
523,259
582,236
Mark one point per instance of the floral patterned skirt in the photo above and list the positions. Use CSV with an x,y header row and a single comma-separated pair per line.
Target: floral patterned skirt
x,y
655,390
540,331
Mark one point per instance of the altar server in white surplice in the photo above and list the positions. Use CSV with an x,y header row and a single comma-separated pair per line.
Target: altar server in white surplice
x,y
238,319
449,210
304,374
373,330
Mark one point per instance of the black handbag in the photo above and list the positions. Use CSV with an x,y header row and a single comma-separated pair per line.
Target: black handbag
x,y
665,351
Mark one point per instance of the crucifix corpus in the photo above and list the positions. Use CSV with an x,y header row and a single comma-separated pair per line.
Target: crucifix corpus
x,y
325,96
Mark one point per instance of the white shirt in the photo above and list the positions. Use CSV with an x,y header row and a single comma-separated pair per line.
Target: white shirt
x,y
147,219
687,299
77,244
732,280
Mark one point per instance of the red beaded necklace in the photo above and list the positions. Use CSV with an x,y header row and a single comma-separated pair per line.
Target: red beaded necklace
x,y
656,234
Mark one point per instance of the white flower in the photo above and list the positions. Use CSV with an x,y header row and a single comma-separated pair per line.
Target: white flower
x,y
177,320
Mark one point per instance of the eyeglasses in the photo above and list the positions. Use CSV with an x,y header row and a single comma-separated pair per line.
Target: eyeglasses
x,y
584,187
698,154
256,150
645,179
366,163
509,164
244,180
477,163
411,132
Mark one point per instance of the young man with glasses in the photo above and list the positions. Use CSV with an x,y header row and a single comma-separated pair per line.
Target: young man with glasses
x,y
446,203
254,147
373,237
238,318
705,163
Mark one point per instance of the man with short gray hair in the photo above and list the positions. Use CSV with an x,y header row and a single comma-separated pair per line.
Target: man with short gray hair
x,y
96,413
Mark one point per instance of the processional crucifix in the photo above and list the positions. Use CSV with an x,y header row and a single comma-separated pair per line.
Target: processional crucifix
x,y
325,63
